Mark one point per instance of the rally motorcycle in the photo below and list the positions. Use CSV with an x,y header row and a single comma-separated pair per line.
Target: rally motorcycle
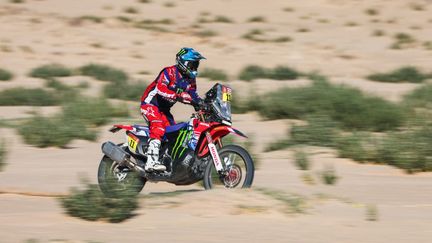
x,y
191,151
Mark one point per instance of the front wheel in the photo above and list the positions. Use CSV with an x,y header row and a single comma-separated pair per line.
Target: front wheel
x,y
239,169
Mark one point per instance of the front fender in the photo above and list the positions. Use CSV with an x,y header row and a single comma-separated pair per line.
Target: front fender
x,y
216,132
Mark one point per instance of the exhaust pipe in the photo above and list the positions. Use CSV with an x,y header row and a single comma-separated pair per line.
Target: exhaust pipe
x,y
119,155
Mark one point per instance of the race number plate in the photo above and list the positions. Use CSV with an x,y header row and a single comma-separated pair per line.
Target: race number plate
x,y
226,94
132,142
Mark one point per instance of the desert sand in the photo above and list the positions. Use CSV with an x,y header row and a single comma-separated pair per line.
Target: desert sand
x,y
333,37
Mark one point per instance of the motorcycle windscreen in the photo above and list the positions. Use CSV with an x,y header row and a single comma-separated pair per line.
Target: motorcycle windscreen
x,y
222,103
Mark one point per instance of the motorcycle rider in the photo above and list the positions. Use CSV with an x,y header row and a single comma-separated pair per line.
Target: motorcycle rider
x,y
174,83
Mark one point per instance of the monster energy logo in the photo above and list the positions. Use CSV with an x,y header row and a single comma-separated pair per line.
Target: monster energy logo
x,y
180,139
181,52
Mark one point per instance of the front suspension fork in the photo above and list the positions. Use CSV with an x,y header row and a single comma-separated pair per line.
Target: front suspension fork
x,y
214,154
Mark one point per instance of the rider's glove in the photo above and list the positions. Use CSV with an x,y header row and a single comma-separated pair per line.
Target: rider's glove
x,y
199,105
184,97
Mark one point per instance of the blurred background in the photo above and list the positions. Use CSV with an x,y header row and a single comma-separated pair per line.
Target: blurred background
x,y
335,95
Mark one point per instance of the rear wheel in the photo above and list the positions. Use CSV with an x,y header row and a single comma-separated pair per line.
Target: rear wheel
x,y
115,179
239,169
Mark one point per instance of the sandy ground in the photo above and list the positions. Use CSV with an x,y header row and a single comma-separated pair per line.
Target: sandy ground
x,y
333,37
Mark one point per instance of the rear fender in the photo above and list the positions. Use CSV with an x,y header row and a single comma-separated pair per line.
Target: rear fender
x,y
216,132
118,127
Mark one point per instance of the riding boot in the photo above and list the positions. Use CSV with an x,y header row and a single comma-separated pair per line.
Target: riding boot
x,y
153,156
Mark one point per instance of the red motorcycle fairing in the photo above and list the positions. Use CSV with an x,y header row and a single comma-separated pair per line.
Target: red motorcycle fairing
x,y
217,131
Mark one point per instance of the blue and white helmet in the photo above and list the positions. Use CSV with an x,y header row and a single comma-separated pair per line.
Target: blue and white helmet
x,y
187,60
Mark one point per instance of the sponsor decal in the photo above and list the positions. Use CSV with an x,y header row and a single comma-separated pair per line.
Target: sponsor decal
x,y
215,156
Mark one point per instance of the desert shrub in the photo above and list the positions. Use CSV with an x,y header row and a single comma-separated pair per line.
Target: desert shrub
x,y
104,73
320,131
125,90
328,176
222,19
345,105
31,97
64,92
371,11
359,146
254,35
5,75
252,72
2,154
278,73
75,121
92,18
214,74
131,10
283,73
54,131
206,33
161,21
293,203
417,6
427,45
50,71
257,19
240,106
91,204
378,33
409,150
124,19
301,160
402,40
281,39
403,74
91,111
372,213
420,97
169,4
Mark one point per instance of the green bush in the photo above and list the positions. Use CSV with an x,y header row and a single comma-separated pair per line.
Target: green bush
x,y
328,176
50,71
104,73
90,204
240,106
30,97
125,90
359,146
409,150
64,92
91,111
283,73
402,40
320,131
222,19
2,154
256,19
56,131
214,74
5,75
252,72
279,73
403,74
420,97
345,105
301,160
73,123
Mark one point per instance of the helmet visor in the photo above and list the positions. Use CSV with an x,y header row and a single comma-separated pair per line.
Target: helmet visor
x,y
192,65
